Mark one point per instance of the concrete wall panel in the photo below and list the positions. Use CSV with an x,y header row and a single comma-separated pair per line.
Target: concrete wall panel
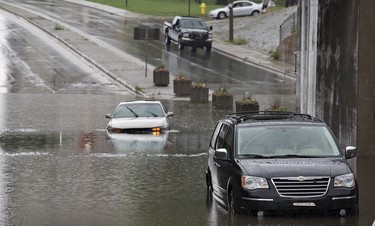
x,y
337,71
366,79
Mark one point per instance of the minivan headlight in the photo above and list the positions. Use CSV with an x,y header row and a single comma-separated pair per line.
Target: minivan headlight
x,y
346,180
251,182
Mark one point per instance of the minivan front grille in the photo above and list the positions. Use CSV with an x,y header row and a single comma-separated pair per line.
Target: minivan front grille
x,y
301,186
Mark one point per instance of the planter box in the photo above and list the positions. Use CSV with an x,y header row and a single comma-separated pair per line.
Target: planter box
x,y
240,107
161,78
199,95
222,102
182,87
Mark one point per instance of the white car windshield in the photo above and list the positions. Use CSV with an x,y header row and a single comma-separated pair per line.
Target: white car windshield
x,y
286,141
139,110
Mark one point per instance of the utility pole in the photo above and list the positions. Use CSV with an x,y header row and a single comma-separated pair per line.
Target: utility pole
x,y
231,21
189,8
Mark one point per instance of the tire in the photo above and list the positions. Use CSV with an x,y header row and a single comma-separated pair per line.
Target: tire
x,y
221,15
180,45
209,184
167,39
208,47
255,13
232,203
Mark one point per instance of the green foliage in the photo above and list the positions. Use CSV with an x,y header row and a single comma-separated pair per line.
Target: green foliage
x,y
199,85
162,7
171,7
238,41
274,54
138,89
248,99
59,27
223,91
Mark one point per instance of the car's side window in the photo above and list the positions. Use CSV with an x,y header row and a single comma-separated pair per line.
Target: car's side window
x,y
228,142
221,136
214,135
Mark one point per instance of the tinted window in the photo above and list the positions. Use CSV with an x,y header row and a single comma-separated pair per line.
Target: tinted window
x,y
228,141
221,137
214,135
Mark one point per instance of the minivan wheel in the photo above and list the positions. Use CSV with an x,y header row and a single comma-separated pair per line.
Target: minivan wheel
x,y
209,184
232,205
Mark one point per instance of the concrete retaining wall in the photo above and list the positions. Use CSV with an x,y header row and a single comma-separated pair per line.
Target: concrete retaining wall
x,y
336,68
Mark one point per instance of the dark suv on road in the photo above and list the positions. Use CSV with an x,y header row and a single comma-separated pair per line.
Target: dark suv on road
x,y
274,161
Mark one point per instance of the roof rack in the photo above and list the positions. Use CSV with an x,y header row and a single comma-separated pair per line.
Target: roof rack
x,y
265,115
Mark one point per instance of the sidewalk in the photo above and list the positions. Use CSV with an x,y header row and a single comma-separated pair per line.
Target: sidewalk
x,y
122,67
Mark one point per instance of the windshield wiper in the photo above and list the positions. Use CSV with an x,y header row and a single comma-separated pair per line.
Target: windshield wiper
x,y
152,113
133,112
294,156
253,156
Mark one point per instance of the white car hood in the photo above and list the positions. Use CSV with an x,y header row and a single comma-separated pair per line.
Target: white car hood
x,y
138,122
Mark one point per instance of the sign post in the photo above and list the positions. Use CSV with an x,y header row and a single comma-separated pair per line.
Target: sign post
x,y
146,33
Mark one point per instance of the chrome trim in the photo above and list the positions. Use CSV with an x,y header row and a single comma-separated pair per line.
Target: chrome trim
x,y
306,179
254,199
348,197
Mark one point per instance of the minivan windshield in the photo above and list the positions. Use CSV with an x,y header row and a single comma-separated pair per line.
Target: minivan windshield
x,y
286,141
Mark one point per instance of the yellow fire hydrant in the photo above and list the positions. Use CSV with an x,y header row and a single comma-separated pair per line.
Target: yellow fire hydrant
x,y
203,8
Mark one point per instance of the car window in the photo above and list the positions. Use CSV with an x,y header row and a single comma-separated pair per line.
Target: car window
x,y
221,136
228,141
214,135
193,23
246,4
139,110
286,140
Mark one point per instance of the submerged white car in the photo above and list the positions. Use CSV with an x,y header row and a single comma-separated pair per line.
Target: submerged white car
x,y
240,8
139,117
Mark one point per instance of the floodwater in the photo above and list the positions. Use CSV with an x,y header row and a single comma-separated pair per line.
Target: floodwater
x,y
58,167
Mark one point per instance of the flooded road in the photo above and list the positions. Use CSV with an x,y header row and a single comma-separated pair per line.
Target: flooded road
x,y
58,167
213,68
31,62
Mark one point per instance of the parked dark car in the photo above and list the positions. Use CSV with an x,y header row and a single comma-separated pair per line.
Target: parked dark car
x,y
279,161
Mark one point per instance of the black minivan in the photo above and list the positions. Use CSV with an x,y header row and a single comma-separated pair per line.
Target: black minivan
x,y
275,161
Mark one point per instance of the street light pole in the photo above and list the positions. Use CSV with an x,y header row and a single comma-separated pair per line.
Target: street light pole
x,y
231,21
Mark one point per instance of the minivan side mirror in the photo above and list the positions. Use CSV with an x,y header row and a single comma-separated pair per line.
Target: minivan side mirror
x,y
350,152
169,114
108,116
221,153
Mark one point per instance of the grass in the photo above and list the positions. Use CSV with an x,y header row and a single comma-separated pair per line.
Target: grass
x,y
170,7
59,27
238,41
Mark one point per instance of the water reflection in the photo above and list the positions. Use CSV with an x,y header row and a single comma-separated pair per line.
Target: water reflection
x,y
58,167
139,143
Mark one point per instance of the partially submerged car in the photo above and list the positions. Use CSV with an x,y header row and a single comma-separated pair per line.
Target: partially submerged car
x,y
139,117
240,8
279,161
